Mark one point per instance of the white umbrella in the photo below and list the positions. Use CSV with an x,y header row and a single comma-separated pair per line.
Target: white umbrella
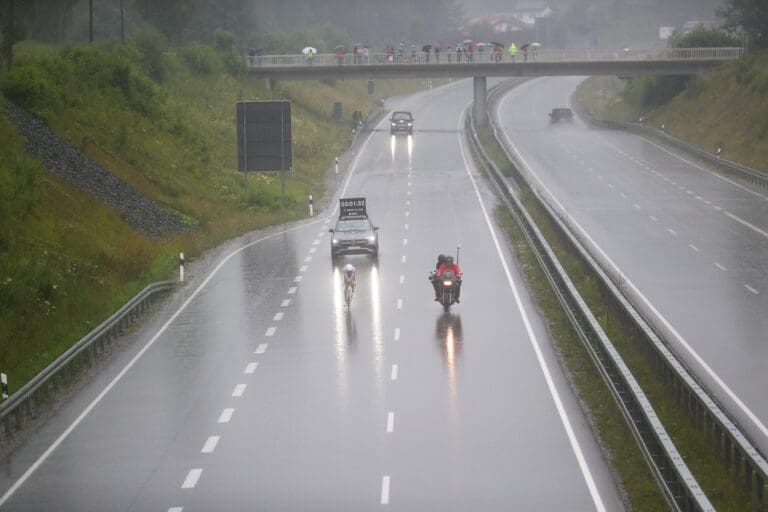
x,y
308,50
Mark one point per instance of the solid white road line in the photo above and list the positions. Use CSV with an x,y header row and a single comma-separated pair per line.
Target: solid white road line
x,y
397,333
391,422
226,415
65,434
385,490
261,348
291,290
751,289
239,390
582,462
720,267
278,316
693,247
285,303
270,331
393,375
210,444
745,223
399,303
251,368
192,477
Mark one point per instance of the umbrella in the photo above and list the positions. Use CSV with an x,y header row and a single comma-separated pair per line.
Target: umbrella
x,y
339,47
525,46
308,50
536,45
496,43
480,46
467,41
426,47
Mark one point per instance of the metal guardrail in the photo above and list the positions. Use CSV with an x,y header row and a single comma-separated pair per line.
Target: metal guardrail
x,y
729,167
747,465
678,485
540,55
33,398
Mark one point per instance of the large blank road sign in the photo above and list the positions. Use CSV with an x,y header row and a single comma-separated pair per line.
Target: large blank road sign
x,y
263,136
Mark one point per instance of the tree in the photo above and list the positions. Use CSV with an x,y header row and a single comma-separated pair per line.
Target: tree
x,y
751,16
172,17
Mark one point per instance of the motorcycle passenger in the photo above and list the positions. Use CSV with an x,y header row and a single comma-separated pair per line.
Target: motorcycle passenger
x,y
448,264
349,277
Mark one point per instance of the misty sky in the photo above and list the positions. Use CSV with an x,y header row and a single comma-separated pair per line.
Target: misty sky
x,y
682,9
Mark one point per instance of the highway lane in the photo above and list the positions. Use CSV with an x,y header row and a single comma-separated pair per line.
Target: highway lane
x,y
692,245
265,393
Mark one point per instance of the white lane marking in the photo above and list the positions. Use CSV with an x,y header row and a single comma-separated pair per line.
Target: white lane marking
x,y
623,195
303,268
397,333
402,279
693,247
407,203
278,316
585,471
312,250
393,375
747,224
408,193
385,490
672,231
610,186
298,279
637,206
316,242
409,183
688,192
402,260
285,303
717,207
391,422
176,509
270,331
405,227
407,214
699,198
687,346
399,303
405,241
261,348
251,368
673,182
291,290
707,201
192,477
721,267
210,444
226,415
66,433
751,289
239,390
654,219
307,259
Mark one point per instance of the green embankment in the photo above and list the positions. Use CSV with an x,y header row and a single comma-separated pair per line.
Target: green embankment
x,y
727,108
163,122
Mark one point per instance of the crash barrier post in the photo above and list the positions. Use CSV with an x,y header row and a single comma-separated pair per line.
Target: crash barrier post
x,y
727,440
34,398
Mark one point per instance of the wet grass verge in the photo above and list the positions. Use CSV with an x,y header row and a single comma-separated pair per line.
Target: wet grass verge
x,y
633,473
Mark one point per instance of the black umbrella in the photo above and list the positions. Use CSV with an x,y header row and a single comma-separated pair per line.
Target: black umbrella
x,y
426,47
496,43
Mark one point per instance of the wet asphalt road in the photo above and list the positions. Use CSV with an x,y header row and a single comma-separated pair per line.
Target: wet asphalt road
x,y
692,245
265,393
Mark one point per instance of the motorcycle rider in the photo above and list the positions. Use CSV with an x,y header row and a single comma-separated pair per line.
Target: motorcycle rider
x,y
448,264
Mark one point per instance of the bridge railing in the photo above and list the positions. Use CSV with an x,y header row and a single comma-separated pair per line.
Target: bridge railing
x,y
488,57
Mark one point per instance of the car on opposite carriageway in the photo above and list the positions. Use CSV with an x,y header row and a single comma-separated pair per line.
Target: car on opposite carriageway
x,y
401,122
561,114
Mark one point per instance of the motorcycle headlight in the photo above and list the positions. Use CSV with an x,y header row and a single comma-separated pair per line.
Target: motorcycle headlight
x,y
447,283
334,241
371,238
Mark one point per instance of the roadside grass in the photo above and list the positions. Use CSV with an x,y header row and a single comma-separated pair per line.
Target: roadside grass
x,y
714,479
727,108
66,260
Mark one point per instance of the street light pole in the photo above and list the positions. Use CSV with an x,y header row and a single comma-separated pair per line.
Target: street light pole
x,y
122,22
90,19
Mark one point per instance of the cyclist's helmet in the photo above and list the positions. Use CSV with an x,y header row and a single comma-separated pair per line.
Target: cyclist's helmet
x,y
349,268
449,259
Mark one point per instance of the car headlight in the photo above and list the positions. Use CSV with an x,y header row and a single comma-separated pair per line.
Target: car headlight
x,y
447,283
393,123
334,241
371,238
410,124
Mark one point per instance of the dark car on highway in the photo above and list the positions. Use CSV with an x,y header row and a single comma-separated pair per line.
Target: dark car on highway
x,y
561,114
401,122
354,236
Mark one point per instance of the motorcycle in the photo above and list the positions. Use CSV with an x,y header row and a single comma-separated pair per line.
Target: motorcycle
x,y
448,288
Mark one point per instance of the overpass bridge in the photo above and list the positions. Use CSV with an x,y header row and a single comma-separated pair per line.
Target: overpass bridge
x,y
480,65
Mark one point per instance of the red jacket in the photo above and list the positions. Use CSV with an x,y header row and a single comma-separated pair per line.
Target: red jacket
x,y
449,266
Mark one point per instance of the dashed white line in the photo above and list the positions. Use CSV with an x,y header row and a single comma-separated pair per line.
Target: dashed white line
x,y
716,207
751,289
251,368
303,268
270,331
707,201
291,290
399,303
623,195
699,198
298,279
385,490
402,260
405,227
307,259
397,333
693,247
393,375
210,444
637,206
721,267
316,242
312,250
285,303
239,390
278,316
261,348
654,219
405,241
407,203
407,214
192,477
409,183
226,415
402,279
391,422
672,231
408,192
610,186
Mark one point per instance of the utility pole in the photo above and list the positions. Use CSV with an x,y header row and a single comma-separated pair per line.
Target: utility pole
x,y
90,19
8,37
122,22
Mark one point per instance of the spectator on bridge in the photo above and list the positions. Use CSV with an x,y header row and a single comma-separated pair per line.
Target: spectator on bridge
x,y
340,55
413,53
401,53
513,51
459,51
524,49
366,55
437,54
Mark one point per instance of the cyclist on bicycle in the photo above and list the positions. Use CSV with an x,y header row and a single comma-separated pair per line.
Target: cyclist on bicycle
x,y
349,277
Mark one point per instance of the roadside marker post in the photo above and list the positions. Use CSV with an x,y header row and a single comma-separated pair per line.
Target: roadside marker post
x,y
4,382
181,267
337,165
311,207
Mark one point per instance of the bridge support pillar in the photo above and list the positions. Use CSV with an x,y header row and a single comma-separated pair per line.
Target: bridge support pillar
x,y
269,84
480,104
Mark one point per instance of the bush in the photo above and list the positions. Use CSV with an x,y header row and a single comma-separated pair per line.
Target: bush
x,y
706,38
30,88
202,60
151,44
